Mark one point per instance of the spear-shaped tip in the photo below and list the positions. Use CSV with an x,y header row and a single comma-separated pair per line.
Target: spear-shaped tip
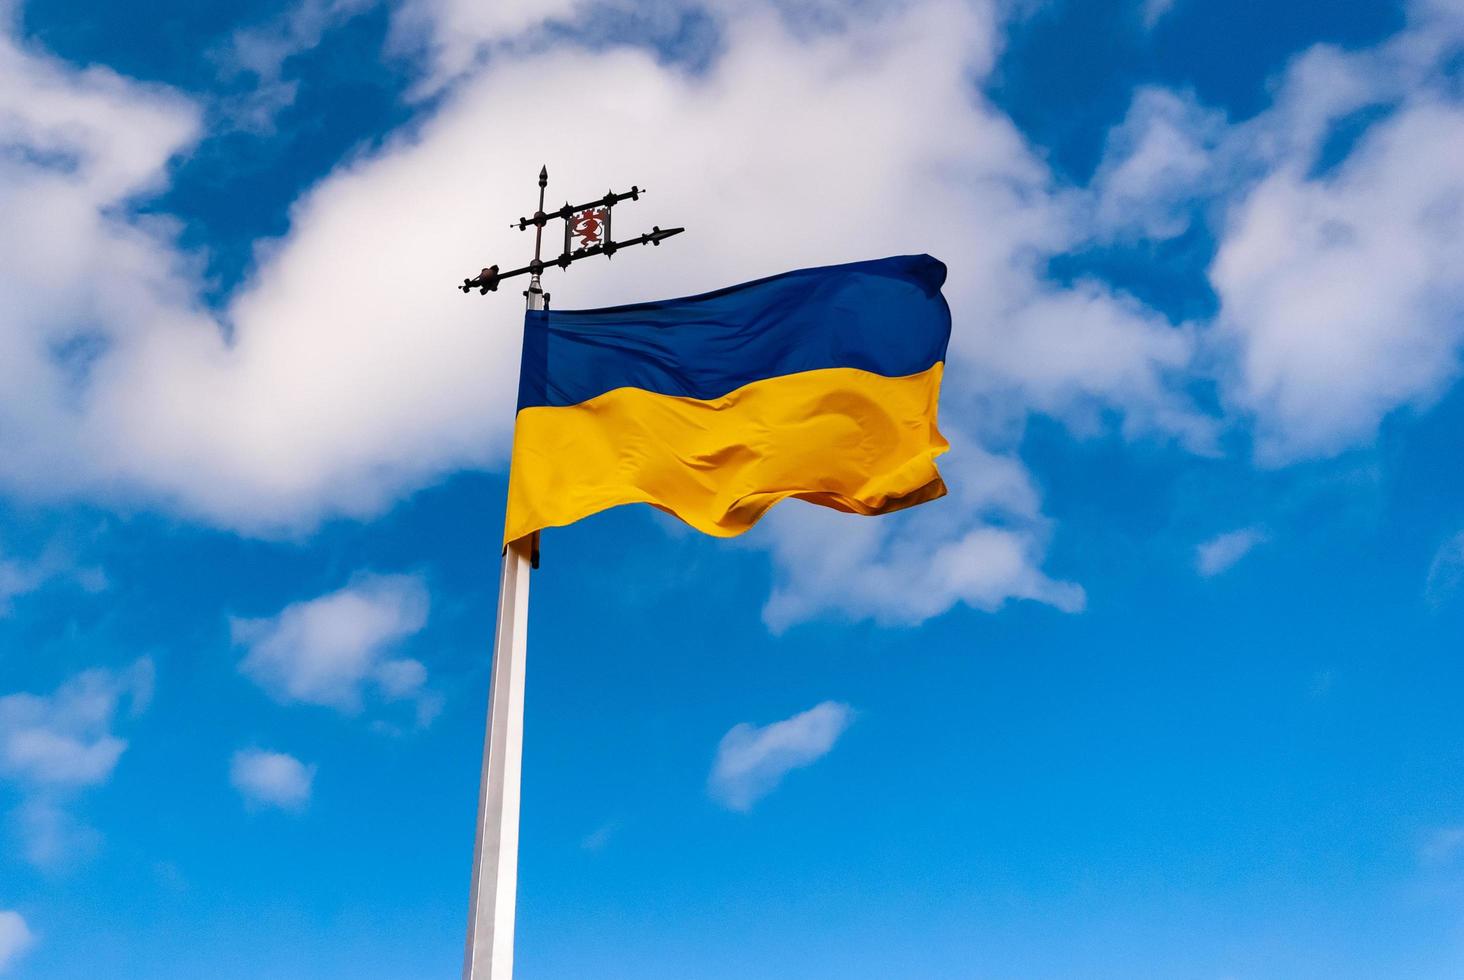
x,y
544,176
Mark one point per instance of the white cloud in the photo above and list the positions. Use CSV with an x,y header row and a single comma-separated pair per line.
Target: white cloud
x,y
752,761
981,547
354,373
1223,551
263,49
78,280
19,577
54,746
457,35
271,779
1339,303
346,371
15,938
1159,164
65,739
1340,291
328,650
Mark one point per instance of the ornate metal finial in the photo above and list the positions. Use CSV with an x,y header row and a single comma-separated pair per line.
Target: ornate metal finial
x,y
586,234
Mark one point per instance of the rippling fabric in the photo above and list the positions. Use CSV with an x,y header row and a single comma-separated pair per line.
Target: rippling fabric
x,y
819,384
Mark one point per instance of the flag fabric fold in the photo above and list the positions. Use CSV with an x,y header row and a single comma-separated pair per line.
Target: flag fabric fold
x,y
819,384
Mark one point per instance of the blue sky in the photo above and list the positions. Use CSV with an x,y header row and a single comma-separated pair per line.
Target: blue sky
x,y
1167,687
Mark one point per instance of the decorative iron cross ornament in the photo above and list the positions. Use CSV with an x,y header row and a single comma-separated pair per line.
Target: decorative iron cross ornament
x,y
588,222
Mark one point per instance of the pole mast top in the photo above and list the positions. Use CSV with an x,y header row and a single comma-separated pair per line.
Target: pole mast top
x,y
586,234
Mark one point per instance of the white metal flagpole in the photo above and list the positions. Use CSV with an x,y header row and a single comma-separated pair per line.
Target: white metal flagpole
x,y
489,953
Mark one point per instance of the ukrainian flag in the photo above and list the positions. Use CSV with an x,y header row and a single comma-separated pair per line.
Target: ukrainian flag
x,y
819,384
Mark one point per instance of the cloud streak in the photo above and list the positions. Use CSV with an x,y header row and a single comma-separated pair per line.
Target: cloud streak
x,y
15,938
1223,551
752,761
20,577
1445,572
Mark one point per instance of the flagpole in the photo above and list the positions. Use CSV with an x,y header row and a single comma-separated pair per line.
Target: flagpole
x,y
489,950
489,953
494,894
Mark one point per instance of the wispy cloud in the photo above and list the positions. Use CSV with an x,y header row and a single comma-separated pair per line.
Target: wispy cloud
x,y
1223,551
19,577
1154,11
15,938
1441,846
262,51
271,779
1445,572
752,761
330,650
596,839
54,746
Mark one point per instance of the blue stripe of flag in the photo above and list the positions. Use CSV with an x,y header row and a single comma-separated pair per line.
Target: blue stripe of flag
x,y
886,316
